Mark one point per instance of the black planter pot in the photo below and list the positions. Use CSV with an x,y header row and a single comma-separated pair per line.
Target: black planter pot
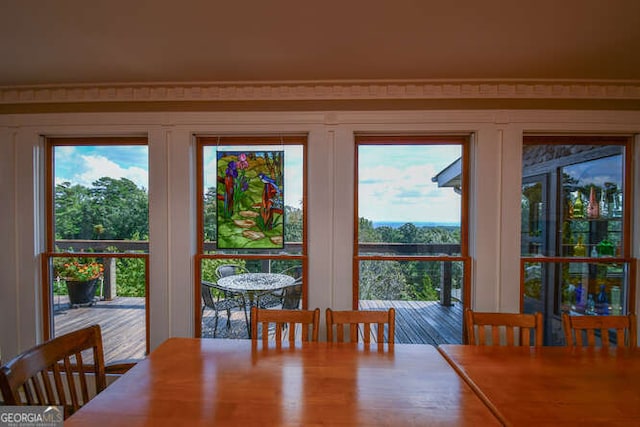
x,y
82,292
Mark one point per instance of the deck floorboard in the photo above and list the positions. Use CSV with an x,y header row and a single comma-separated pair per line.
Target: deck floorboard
x,y
123,323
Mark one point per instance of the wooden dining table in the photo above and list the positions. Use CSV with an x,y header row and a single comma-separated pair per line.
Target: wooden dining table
x,y
553,386
189,381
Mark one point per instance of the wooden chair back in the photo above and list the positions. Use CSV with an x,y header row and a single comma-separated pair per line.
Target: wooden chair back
x,y
517,329
285,321
55,373
595,331
371,321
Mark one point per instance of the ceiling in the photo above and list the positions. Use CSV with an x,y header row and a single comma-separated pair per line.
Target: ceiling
x,y
71,42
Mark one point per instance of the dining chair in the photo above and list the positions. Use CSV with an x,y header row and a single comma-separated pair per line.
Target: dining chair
x,y
56,373
362,324
510,329
285,320
219,299
596,331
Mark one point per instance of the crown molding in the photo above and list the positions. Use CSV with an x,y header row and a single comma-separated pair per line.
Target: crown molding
x,y
323,90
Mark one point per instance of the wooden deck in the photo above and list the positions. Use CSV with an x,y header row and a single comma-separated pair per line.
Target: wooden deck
x,y
422,322
123,328
122,321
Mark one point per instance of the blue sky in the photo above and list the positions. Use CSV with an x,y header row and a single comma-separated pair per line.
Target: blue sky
x,y
85,164
395,183
395,180
597,172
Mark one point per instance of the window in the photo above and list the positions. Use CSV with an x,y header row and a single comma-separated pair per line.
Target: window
x,y
410,246
251,218
575,228
97,242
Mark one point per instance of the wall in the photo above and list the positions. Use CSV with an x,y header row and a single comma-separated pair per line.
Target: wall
x,y
494,204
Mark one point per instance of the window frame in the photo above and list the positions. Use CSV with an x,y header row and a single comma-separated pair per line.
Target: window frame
x,y
249,140
627,215
446,139
50,253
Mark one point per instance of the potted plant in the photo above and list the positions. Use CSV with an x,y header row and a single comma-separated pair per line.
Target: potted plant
x,y
81,276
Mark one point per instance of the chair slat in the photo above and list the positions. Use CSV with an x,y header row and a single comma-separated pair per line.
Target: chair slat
x,y
57,378
29,392
366,335
495,335
511,336
576,328
285,320
83,379
50,395
517,329
482,335
525,336
370,322
71,384
35,376
38,389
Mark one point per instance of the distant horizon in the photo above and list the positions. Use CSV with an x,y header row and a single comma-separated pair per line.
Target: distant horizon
x,y
398,224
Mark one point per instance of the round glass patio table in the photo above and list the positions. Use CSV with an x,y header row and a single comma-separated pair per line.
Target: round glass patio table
x,y
255,284
252,283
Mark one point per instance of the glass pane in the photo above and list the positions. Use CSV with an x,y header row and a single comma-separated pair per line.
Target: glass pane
x,y
225,311
101,195
409,199
585,288
534,214
592,207
249,215
101,205
572,200
427,297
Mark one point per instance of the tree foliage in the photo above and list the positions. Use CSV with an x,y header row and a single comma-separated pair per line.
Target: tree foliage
x,y
405,280
116,209
112,209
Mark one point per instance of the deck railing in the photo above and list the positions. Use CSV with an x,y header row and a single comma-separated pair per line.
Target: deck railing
x,y
138,246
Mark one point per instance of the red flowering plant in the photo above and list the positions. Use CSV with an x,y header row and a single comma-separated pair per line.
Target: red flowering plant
x,y
77,269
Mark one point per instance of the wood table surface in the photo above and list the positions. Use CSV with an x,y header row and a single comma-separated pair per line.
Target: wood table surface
x,y
553,386
188,381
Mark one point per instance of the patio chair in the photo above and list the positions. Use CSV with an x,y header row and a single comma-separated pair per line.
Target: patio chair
x,y
285,320
220,299
291,295
595,331
56,372
524,327
287,298
373,322
225,270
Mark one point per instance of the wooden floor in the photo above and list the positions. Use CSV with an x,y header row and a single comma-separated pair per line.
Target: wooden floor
x,y
422,322
123,329
122,321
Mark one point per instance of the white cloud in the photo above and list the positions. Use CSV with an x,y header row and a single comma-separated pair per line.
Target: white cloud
x,y
96,167
388,193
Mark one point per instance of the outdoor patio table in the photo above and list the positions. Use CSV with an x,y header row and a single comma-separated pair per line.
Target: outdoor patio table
x,y
190,381
253,285
553,386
